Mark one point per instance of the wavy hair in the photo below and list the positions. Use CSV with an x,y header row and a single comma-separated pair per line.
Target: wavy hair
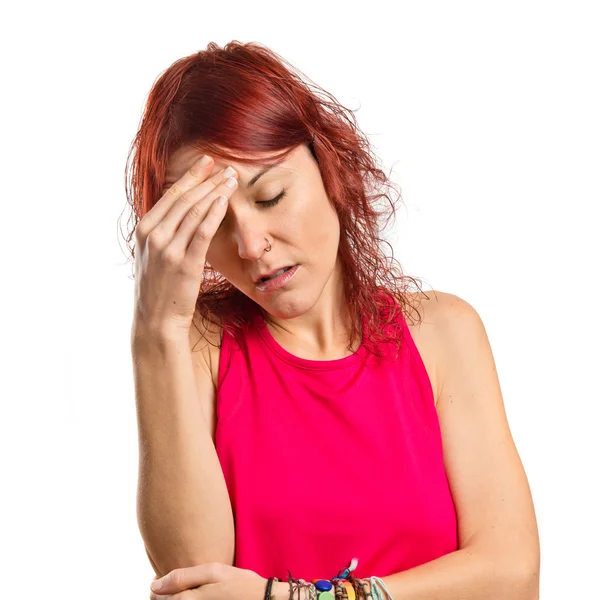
x,y
242,99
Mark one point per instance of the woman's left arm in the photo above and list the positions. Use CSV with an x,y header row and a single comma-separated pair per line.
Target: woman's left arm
x,y
499,552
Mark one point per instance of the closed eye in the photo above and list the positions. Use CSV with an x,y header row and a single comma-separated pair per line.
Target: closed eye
x,y
265,203
274,201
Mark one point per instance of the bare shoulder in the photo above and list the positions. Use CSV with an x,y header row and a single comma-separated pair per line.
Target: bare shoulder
x,y
452,315
461,335
428,313
458,336
427,303
437,310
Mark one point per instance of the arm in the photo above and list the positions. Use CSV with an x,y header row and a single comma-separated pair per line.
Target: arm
x,y
183,506
462,575
465,575
499,555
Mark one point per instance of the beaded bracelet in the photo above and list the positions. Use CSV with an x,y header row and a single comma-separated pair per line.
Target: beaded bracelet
x,y
378,585
320,589
345,587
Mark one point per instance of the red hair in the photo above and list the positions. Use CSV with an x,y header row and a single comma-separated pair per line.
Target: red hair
x,y
244,99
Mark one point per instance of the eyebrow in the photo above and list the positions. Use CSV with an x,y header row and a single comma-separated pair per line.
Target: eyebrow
x,y
265,170
259,175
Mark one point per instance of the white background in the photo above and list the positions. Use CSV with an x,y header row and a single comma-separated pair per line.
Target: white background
x,y
488,113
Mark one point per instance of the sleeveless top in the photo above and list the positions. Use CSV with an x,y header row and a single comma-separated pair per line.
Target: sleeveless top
x,y
329,460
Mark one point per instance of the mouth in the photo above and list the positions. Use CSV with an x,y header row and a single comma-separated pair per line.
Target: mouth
x,y
278,280
274,274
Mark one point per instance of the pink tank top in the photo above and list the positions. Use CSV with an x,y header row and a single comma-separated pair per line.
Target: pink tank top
x,y
329,460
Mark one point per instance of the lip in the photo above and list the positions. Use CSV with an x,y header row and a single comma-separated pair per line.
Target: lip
x,y
271,273
274,284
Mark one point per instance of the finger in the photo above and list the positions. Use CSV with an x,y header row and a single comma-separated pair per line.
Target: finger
x,y
185,578
194,175
194,197
201,223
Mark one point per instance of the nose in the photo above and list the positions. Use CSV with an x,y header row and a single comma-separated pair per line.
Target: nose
x,y
250,238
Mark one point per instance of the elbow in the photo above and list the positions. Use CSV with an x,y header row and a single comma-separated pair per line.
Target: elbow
x,y
512,575
527,579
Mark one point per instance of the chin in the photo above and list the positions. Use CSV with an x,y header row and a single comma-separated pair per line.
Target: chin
x,y
287,308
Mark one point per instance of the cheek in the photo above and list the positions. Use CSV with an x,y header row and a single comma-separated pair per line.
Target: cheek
x,y
313,221
323,227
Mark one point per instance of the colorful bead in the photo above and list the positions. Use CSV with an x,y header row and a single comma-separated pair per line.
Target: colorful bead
x,y
323,585
349,590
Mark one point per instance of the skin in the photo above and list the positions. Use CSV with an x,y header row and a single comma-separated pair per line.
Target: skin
x,y
307,316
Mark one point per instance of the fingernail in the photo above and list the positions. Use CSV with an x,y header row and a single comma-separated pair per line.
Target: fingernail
x,y
156,584
228,172
204,160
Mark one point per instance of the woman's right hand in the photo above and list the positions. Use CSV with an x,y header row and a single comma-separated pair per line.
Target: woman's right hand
x,y
172,240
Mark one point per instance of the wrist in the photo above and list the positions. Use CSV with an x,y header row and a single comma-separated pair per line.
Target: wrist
x,y
144,337
281,591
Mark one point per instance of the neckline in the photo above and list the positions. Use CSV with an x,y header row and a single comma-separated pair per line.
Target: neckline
x,y
306,363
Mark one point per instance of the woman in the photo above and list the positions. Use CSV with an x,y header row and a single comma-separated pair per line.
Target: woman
x,y
292,414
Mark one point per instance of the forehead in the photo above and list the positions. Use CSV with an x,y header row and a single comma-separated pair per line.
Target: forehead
x,y
183,158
